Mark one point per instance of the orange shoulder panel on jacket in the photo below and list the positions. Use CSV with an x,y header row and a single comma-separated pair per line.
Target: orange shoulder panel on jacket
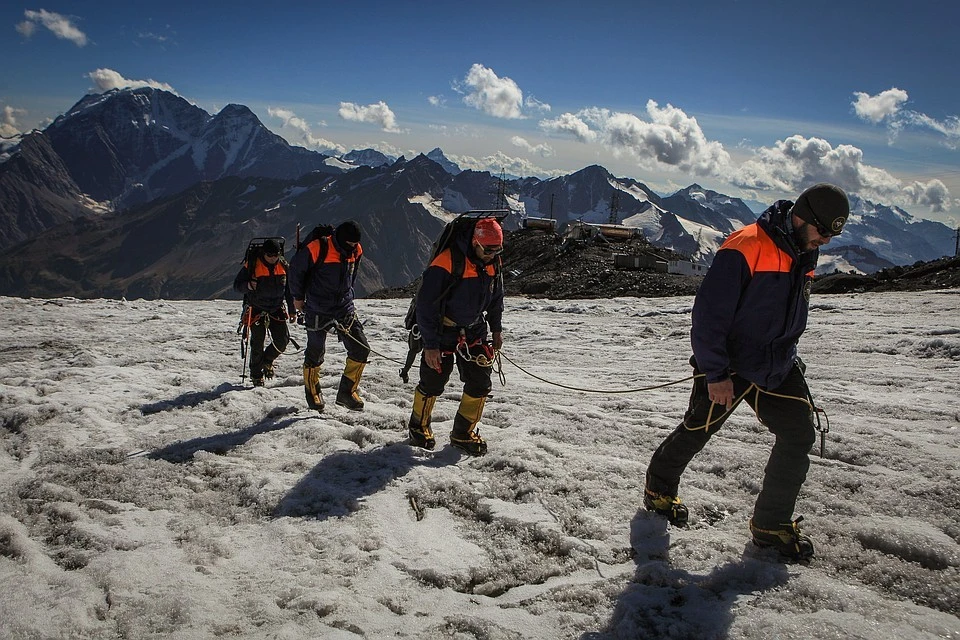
x,y
314,249
444,261
332,254
758,249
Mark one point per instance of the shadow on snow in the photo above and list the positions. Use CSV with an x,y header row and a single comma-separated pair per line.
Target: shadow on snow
x,y
662,601
339,483
189,399
223,443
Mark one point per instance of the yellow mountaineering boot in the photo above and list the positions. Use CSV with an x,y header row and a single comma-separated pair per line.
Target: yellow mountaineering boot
x,y
419,426
669,506
785,538
349,383
311,387
465,435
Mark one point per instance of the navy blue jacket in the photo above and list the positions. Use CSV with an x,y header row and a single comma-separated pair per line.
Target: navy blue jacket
x,y
475,302
752,306
326,286
271,291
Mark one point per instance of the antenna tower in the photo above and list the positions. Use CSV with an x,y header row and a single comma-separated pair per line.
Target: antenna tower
x,y
501,191
614,207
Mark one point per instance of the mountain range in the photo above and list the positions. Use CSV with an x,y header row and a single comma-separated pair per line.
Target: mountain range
x,y
139,193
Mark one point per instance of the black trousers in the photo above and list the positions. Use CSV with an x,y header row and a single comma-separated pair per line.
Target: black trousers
x,y
279,334
353,339
476,379
789,420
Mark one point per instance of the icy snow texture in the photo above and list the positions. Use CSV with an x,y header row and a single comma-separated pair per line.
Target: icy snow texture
x,y
145,493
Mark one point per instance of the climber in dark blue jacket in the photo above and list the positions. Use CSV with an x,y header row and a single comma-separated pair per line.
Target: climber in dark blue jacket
x,y
322,277
748,316
453,323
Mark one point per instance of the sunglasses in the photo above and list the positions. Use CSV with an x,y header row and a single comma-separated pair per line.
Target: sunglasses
x,y
271,255
823,231
490,251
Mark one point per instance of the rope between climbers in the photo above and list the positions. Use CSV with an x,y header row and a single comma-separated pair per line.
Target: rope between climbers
x,y
571,388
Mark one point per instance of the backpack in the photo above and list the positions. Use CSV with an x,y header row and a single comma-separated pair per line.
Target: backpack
x,y
255,248
319,231
462,224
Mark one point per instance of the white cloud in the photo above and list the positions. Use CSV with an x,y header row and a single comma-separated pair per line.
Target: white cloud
x,y
933,194
61,26
495,96
153,36
8,121
876,108
949,128
499,161
542,150
669,139
797,162
107,79
536,105
437,101
304,133
568,123
379,114
886,106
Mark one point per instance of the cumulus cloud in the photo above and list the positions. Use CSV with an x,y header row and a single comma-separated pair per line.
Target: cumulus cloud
x,y
797,162
303,133
437,101
542,150
8,121
933,194
59,25
570,124
495,96
876,108
668,139
107,79
379,114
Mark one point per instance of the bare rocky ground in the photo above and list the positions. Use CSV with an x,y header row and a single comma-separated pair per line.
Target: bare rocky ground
x,y
921,276
537,264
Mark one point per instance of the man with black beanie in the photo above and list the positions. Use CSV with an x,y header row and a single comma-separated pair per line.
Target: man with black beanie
x,y
263,282
322,277
748,316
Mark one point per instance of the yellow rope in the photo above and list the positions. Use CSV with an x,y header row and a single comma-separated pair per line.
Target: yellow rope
x,y
709,423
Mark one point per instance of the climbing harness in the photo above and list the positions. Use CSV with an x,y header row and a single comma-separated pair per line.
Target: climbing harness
x,y
484,358
247,320
815,411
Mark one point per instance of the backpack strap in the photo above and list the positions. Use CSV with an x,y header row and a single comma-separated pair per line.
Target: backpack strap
x,y
458,264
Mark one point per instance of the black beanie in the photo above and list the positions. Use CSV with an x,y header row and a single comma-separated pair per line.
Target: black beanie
x,y
271,247
823,205
347,231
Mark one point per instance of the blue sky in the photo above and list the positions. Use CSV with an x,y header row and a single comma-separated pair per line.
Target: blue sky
x,y
757,99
